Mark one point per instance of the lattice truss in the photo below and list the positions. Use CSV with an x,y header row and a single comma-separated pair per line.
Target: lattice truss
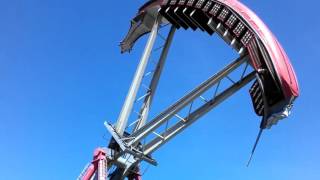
x,y
142,136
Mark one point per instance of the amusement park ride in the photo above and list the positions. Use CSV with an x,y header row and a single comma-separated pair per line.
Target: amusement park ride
x,y
273,91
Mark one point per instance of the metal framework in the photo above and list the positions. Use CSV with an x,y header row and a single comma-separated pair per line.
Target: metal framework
x,y
127,149
97,168
131,150
142,152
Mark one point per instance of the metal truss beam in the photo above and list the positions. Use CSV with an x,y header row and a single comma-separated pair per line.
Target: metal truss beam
x,y
192,117
128,104
125,159
195,115
184,101
144,111
136,154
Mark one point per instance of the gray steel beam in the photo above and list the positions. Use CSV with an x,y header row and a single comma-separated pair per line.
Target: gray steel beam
x,y
144,112
187,99
128,104
195,115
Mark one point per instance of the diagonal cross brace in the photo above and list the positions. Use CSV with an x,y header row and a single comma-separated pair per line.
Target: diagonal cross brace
x,y
157,142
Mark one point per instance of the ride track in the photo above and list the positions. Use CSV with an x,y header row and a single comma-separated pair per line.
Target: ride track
x,y
273,91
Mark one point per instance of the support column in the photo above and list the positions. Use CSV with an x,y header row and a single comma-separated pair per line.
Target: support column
x,y
102,169
128,104
144,112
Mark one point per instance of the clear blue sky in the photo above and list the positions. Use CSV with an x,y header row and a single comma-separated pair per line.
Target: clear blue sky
x,y
62,75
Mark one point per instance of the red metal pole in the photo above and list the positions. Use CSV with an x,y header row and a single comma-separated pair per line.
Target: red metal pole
x,y
99,165
89,172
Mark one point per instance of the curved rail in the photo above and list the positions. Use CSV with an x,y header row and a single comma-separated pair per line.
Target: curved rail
x,y
244,31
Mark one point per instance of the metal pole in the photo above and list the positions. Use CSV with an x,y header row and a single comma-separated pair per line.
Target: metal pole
x,y
144,112
102,169
128,104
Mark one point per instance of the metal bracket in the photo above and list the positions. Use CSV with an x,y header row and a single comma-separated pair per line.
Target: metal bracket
x,y
128,149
